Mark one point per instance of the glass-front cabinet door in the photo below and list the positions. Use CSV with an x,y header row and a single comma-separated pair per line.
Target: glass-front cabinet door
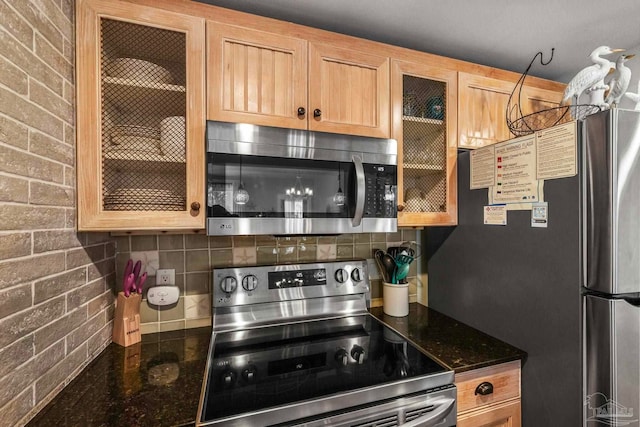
x,y
140,118
424,124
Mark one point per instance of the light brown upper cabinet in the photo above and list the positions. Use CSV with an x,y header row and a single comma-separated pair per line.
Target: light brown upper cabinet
x,y
424,124
140,129
482,108
264,78
256,77
536,99
348,91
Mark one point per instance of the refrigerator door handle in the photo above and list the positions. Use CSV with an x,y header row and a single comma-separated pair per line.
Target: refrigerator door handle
x,y
633,300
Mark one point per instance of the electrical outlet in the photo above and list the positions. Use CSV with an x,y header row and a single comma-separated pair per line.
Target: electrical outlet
x,y
166,276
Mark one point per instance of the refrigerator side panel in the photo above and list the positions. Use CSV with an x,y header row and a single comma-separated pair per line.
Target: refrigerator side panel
x,y
612,362
521,285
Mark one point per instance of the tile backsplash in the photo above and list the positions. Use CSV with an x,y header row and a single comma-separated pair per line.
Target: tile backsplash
x,y
192,256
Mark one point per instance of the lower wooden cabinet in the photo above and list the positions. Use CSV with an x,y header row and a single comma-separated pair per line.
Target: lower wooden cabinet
x,y
490,397
503,415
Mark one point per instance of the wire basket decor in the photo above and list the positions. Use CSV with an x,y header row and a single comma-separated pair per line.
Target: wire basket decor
x,y
525,124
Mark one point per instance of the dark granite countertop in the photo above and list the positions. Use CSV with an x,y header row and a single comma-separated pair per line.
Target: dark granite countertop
x,y
158,381
453,344
153,383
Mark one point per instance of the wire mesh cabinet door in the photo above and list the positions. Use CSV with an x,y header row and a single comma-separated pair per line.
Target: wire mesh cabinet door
x,y
424,124
141,118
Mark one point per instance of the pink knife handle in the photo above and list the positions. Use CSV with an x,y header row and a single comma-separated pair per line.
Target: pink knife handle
x,y
143,278
136,275
136,270
128,283
127,271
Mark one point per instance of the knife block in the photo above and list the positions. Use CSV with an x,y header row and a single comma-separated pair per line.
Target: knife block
x,y
126,321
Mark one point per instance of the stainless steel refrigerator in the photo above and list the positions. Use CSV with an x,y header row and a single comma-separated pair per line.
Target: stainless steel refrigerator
x,y
612,267
567,294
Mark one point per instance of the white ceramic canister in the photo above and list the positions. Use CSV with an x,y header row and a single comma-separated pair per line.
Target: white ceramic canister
x,y
395,299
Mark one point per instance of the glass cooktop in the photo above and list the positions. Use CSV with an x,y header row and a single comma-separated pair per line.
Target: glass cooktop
x,y
272,366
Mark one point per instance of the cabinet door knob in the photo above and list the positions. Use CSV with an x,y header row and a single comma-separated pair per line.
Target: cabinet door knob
x,y
301,111
195,206
484,389
317,112
400,208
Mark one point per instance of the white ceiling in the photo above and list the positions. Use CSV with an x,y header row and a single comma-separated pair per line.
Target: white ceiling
x,y
499,33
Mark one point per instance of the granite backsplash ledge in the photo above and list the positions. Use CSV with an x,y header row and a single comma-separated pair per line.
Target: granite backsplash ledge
x,y
192,256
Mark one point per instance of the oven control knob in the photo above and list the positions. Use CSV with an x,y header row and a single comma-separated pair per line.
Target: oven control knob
x,y
228,378
342,357
341,275
228,284
249,282
356,275
357,353
249,374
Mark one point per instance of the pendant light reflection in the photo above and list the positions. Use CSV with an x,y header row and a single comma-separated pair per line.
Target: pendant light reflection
x,y
298,190
338,198
242,195
297,199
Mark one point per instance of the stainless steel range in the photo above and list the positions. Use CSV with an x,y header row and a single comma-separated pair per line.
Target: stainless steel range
x,y
294,345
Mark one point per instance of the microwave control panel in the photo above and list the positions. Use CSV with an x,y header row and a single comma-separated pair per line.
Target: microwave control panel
x,y
380,193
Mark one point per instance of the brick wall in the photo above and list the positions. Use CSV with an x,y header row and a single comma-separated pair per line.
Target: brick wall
x,y
56,298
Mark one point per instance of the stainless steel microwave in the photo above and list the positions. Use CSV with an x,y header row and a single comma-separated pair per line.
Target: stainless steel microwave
x,y
268,180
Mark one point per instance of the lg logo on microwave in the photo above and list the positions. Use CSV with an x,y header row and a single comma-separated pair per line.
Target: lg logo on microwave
x,y
226,227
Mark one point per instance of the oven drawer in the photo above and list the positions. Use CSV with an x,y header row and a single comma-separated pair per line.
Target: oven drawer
x,y
435,408
488,386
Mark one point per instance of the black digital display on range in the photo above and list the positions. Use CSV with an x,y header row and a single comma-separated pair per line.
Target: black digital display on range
x,y
294,364
297,278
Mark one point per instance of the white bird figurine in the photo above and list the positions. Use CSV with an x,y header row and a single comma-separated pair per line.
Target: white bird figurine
x,y
620,82
596,97
635,97
591,75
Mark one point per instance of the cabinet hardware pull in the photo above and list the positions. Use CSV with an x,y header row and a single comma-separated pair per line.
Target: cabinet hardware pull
x,y
317,112
301,111
484,389
195,206
400,208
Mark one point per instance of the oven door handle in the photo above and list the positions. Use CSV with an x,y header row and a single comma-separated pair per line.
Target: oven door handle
x,y
360,191
433,418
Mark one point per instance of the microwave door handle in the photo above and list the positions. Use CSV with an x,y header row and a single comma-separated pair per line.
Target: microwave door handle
x,y
360,191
